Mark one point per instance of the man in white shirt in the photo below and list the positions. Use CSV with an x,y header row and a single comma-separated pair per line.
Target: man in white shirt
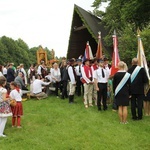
x,y
101,76
72,80
37,88
5,71
78,73
87,80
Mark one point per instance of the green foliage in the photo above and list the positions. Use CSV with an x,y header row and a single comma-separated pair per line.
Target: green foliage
x,y
54,124
22,44
97,3
17,51
136,12
126,17
13,51
3,53
33,55
127,45
145,36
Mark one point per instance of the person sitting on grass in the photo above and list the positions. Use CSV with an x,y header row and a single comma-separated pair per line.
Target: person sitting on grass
x,y
37,88
19,81
17,110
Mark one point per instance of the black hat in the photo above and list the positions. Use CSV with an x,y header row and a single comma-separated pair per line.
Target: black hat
x,y
100,60
106,59
95,59
86,60
79,60
71,60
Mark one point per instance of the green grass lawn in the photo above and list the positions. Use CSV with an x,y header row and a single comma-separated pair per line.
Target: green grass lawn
x,y
54,124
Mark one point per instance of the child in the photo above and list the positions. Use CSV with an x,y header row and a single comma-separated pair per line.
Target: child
x,y
18,109
5,109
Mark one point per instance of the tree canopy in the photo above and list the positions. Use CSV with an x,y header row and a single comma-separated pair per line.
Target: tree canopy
x,y
126,17
17,51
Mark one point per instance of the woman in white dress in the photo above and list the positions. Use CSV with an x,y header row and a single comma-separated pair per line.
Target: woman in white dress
x,y
5,109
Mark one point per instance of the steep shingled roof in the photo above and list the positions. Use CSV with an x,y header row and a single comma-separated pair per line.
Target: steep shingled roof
x,y
85,27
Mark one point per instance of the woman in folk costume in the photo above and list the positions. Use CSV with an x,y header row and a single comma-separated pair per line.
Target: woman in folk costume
x,y
31,73
5,109
18,109
87,80
121,89
42,70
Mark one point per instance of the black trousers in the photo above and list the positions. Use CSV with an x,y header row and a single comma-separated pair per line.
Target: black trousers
x,y
57,86
64,89
102,95
137,106
79,85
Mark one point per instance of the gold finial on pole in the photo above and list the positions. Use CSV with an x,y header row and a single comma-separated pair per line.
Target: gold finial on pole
x,y
138,32
99,34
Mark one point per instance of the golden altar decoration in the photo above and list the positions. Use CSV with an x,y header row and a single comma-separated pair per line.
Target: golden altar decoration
x,y
41,55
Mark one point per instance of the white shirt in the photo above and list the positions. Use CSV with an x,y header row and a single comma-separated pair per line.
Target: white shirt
x,y
56,75
71,75
2,91
92,68
14,94
51,69
37,86
25,75
49,77
98,75
39,69
4,71
77,70
1,74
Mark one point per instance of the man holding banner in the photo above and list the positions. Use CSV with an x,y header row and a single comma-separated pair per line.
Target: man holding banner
x,y
138,80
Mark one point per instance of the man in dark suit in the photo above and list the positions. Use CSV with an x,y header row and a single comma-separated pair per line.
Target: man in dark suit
x,y
10,73
138,80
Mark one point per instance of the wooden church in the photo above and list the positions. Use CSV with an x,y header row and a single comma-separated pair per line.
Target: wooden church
x,y
85,27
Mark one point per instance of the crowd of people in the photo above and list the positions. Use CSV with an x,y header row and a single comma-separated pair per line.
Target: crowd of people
x,y
88,79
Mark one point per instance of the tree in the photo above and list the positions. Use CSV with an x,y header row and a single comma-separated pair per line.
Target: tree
x,y
121,12
126,17
17,51
32,55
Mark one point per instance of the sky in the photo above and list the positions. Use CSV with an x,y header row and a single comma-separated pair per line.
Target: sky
x,y
40,22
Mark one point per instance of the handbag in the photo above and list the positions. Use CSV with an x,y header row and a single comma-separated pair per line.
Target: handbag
x,y
13,102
